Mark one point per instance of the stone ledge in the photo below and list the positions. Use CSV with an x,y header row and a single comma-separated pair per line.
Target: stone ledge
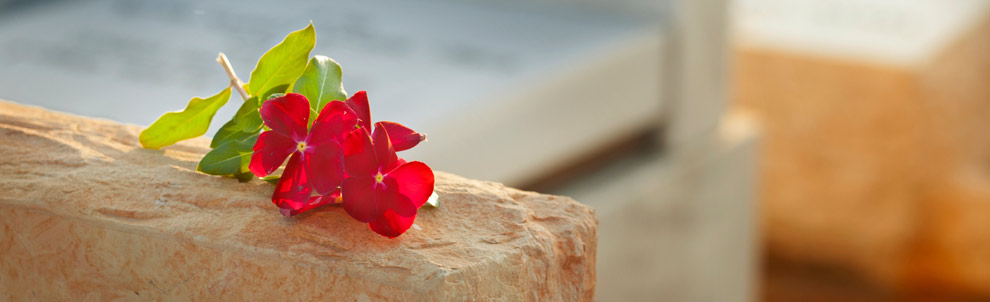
x,y
88,214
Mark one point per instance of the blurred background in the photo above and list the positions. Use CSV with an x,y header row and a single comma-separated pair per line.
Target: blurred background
x,y
735,150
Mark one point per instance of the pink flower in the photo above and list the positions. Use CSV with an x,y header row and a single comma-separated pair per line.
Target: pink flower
x,y
315,157
381,189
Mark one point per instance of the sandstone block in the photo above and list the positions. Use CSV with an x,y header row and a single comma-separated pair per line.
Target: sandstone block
x,y
877,136
87,215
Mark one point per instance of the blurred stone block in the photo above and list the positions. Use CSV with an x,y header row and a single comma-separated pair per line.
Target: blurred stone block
x,y
698,66
679,226
877,124
88,215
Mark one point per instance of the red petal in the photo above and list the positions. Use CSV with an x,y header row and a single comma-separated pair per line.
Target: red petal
x,y
314,202
270,152
288,115
325,166
360,198
402,137
391,224
392,199
292,190
359,103
359,156
384,153
333,123
415,181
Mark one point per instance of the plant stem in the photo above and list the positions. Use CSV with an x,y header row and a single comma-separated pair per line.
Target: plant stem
x,y
234,81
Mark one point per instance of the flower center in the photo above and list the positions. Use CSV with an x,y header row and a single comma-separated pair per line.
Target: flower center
x,y
301,146
379,178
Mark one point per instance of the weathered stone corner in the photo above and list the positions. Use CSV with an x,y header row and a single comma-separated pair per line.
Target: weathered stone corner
x,y
87,214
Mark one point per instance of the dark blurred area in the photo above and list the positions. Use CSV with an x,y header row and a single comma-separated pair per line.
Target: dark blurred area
x,y
739,150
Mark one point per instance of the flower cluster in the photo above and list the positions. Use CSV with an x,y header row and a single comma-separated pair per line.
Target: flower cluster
x,y
340,158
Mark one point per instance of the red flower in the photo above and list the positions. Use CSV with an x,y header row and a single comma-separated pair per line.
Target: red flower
x,y
380,188
402,137
315,164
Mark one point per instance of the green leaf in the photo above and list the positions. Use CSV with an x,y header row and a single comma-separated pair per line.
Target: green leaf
x,y
230,158
320,84
274,95
272,179
244,177
191,122
233,135
275,92
246,122
282,64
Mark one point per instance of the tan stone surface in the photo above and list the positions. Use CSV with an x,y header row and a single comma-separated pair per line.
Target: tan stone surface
x,y
87,215
877,169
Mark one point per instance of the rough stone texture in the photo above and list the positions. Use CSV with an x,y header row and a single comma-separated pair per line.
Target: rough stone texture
x,y
87,215
877,169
